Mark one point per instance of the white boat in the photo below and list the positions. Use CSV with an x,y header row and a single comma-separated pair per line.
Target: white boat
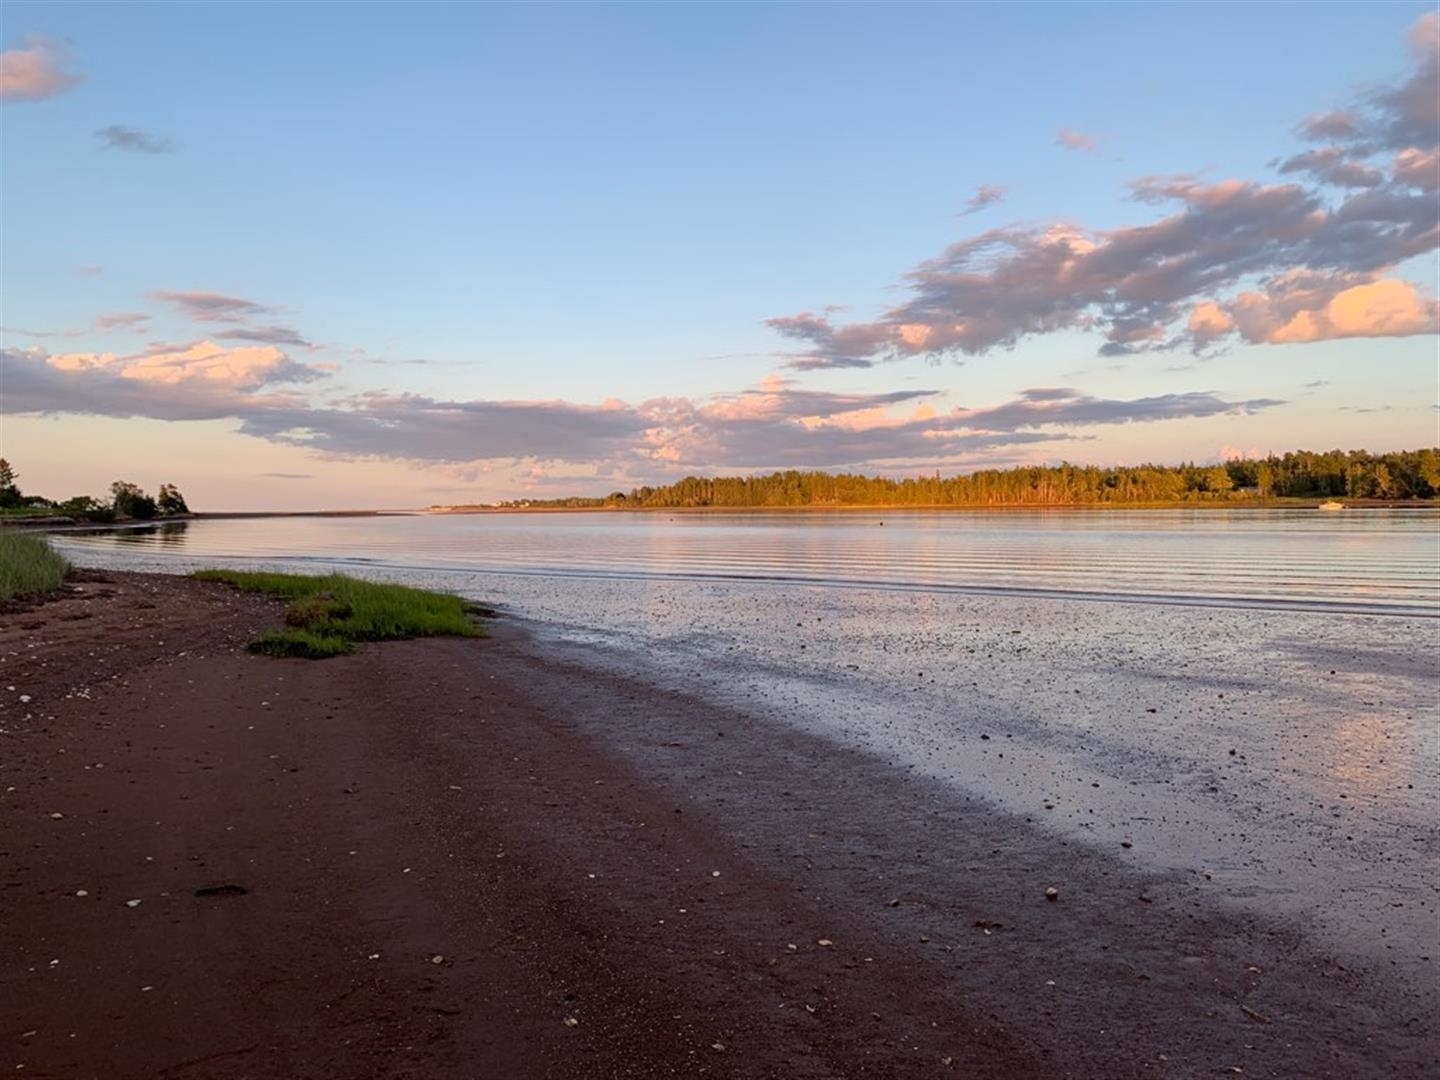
x,y
1331,505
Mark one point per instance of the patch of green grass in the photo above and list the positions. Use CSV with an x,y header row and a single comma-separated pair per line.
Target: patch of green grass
x,y
28,566
329,613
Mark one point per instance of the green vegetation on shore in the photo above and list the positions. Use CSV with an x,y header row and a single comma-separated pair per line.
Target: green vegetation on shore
x,y
329,613
127,502
1304,474
28,567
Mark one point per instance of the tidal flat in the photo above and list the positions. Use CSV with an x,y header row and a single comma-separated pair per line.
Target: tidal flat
x,y
1235,803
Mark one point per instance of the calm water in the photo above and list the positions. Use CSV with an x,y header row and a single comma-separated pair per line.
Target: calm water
x,y
1249,699
1380,561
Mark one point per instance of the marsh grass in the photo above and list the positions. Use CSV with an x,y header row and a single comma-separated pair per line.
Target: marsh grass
x,y
28,566
329,613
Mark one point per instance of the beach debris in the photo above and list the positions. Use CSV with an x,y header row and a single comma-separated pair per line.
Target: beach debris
x,y
824,943
132,903
1259,1018
1052,893
221,890
570,1021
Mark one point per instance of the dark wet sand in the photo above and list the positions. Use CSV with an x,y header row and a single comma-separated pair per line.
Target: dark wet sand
x,y
451,848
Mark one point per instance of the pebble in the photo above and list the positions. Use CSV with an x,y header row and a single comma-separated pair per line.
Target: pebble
x,y
570,1021
1052,893
132,903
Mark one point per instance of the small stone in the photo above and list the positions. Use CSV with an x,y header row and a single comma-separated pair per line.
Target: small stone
x,y
82,892
714,873
718,1047
1052,893
824,943
437,959
56,816
570,1021
132,903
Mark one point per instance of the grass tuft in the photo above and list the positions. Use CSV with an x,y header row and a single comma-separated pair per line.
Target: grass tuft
x,y
28,567
329,613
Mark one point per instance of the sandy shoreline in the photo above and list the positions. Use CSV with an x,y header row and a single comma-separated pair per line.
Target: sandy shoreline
x,y
570,846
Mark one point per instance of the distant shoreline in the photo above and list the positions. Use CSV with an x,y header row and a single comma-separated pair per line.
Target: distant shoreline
x,y
61,525
872,508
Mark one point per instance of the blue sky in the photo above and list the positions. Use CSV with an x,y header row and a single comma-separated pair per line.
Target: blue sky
x,y
475,251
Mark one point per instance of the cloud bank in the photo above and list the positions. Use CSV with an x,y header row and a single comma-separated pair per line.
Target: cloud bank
x,y
773,425
1272,263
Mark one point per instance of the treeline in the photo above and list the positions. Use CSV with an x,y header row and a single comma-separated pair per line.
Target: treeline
x,y
127,501
1353,474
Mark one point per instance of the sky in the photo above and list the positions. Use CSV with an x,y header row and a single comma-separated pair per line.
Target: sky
x,y
304,256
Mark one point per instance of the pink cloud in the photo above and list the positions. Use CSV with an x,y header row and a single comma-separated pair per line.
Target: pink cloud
x,y
212,307
122,320
203,364
1071,139
35,71
1300,310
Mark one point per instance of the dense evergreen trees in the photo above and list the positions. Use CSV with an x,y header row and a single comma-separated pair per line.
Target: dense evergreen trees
x,y
1356,474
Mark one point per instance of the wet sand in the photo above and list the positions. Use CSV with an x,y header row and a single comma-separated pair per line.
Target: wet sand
x,y
451,849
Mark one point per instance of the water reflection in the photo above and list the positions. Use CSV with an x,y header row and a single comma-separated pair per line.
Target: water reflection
x,y
166,532
1372,561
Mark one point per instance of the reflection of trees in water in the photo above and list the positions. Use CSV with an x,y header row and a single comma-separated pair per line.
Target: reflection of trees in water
x,y
169,532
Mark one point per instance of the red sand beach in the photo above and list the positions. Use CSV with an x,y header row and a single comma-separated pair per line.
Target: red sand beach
x,y
466,858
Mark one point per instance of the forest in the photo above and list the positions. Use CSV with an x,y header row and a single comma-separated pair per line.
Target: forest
x,y
1303,474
